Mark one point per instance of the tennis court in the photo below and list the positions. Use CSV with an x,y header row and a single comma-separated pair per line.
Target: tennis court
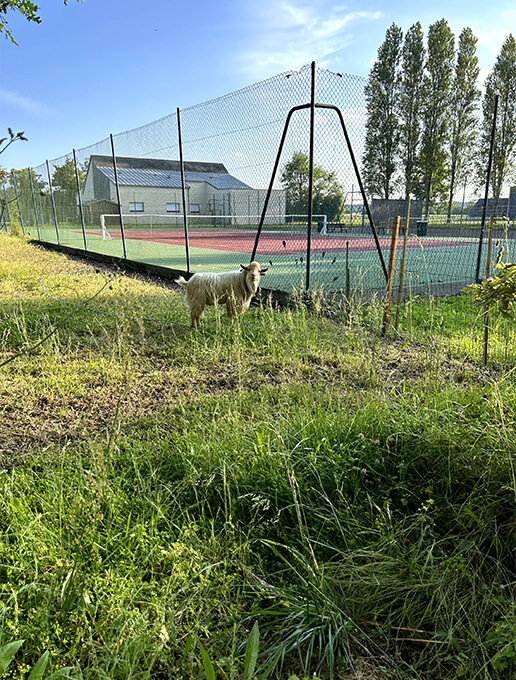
x,y
433,265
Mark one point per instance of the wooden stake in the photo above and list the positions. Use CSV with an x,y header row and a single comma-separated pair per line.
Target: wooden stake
x,y
402,264
390,274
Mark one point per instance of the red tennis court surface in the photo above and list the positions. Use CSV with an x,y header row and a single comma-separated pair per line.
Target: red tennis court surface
x,y
271,243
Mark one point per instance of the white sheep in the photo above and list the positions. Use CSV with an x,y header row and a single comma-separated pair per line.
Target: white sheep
x,y
234,289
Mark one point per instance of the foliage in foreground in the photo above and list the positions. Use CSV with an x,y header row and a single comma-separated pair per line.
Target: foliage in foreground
x,y
354,496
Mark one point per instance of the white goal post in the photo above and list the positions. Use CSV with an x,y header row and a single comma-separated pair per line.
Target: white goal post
x,y
148,221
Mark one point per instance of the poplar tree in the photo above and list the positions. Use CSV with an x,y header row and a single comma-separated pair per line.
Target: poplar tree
x,y
437,82
463,105
382,141
502,82
410,104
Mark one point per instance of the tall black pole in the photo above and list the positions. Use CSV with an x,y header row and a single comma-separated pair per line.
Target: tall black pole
x,y
183,191
79,199
118,196
488,179
310,179
53,203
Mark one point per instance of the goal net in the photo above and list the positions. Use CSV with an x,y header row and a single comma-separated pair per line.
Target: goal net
x,y
150,224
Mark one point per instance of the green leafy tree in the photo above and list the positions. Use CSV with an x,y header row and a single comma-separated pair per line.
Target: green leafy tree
x,y
26,8
328,195
64,185
411,103
463,105
382,141
433,155
24,191
502,82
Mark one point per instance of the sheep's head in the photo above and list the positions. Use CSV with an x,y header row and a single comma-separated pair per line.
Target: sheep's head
x,y
252,275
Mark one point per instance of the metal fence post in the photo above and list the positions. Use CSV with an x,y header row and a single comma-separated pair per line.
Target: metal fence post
x,y
79,199
118,196
53,202
183,191
18,202
310,179
488,178
34,203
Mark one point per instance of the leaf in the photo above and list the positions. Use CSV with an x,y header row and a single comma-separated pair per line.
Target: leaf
x,y
40,667
251,652
7,653
208,666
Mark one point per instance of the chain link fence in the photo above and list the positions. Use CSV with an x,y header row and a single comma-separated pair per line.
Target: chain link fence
x,y
192,190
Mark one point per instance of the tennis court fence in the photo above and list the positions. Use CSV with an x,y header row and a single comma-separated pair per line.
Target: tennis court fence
x,y
272,171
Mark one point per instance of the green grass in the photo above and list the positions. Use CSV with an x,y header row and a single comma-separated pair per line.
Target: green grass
x,y
353,494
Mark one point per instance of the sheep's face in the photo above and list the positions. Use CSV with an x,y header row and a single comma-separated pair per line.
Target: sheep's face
x,y
252,276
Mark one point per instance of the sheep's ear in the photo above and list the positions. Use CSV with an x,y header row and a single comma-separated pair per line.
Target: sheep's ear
x,y
262,271
244,267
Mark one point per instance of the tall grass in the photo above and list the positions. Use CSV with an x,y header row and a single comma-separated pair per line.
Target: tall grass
x,y
354,495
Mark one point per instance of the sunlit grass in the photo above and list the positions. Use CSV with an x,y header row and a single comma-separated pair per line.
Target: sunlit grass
x,y
353,494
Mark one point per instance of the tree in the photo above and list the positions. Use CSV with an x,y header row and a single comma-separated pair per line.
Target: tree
x,y
410,103
25,7
433,155
502,82
64,185
328,195
25,202
382,142
464,98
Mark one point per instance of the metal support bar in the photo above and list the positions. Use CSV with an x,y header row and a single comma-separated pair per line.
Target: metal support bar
x,y
488,179
310,179
183,191
53,203
34,203
79,199
355,166
273,176
118,196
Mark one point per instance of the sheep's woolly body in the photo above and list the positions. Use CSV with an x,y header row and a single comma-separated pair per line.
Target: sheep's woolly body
x,y
234,289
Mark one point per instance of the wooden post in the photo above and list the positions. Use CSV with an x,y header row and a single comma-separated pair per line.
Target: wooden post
x,y
390,274
488,272
402,264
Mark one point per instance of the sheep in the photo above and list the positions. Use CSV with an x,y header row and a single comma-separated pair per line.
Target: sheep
x,y
234,289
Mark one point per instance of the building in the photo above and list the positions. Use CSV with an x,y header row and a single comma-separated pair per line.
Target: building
x,y
506,207
151,186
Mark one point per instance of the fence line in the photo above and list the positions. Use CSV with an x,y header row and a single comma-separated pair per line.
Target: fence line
x,y
234,158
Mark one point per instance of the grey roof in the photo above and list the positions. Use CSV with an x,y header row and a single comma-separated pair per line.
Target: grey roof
x,y
144,177
156,164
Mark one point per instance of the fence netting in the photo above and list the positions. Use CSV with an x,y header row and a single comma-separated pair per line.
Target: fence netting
x,y
129,196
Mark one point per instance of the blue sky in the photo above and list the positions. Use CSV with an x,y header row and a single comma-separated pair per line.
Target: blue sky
x,y
104,66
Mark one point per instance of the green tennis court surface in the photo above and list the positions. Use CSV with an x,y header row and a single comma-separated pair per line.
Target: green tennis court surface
x,y
430,262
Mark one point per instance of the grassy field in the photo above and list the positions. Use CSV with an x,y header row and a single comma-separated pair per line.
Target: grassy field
x,y
162,490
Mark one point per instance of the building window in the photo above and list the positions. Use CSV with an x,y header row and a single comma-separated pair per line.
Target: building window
x,y
195,208
136,207
173,207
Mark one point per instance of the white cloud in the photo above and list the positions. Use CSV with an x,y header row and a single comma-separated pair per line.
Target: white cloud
x,y
27,104
291,35
492,40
